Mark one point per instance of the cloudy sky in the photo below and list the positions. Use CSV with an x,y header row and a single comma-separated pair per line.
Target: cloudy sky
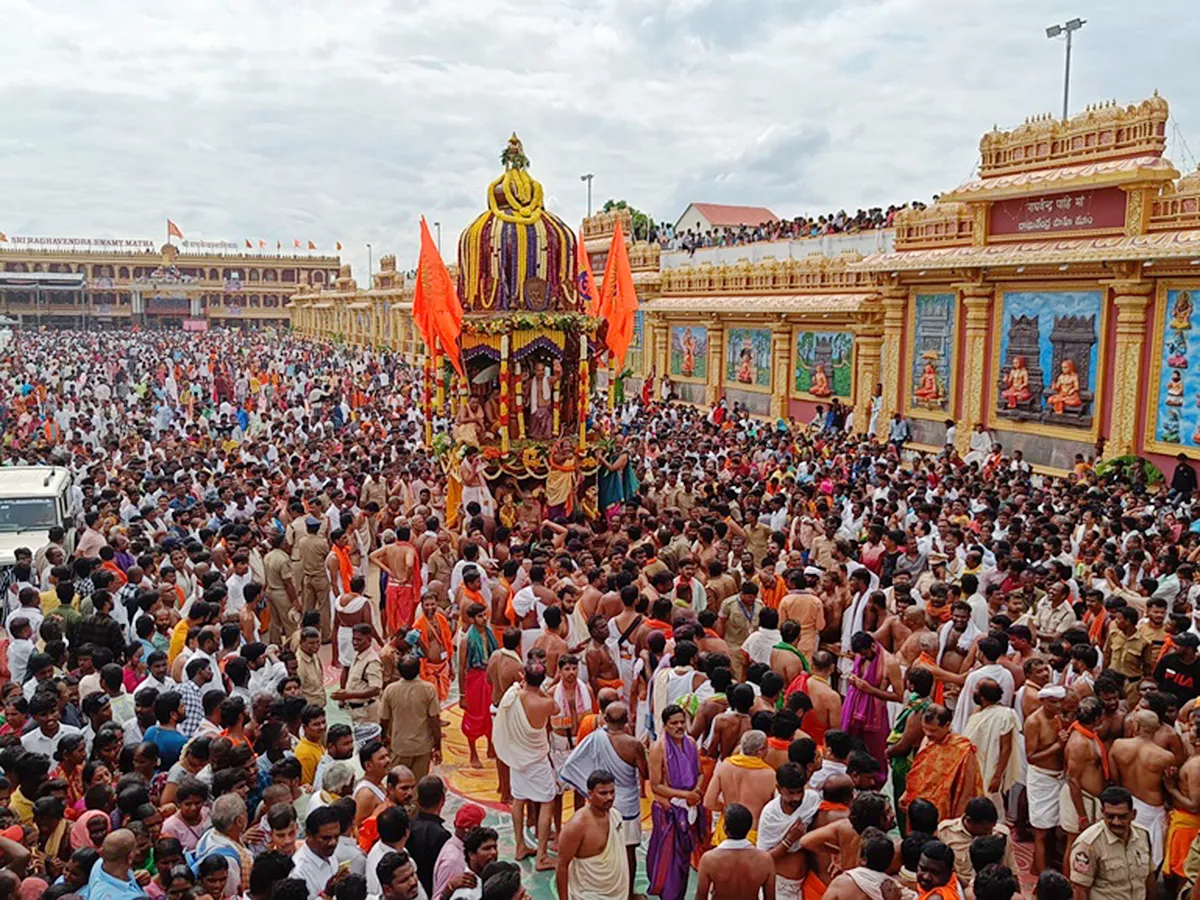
x,y
347,121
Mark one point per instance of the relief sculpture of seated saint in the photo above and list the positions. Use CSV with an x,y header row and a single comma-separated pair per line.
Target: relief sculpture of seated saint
x,y
1066,389
1016,390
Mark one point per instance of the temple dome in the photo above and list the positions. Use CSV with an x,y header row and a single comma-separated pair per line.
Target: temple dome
x,y
517,256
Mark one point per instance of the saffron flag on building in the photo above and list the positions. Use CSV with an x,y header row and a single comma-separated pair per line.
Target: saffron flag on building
x,y
339,246
618,298
249,246
173,230
312,246
3,238
262,244
296,243
440,311
585,281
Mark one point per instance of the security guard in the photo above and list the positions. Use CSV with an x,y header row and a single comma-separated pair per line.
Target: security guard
x,y
1111,859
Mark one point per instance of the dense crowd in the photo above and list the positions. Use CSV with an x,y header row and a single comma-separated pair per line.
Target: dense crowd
x,y
825,665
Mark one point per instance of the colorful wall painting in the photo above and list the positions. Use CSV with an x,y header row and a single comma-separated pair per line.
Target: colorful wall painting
x,y
1049,356
1178,402
748,357
689,352
823,364
933,351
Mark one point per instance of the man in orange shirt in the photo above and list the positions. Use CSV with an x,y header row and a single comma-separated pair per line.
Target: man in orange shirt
x,y
805,607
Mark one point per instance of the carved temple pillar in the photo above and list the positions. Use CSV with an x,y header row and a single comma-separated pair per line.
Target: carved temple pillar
x,y
868,346
1130,297
977,300
894,301
716,360
660,334
781,356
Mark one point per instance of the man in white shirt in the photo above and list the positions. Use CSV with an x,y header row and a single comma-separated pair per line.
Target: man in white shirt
x,y
990,650
314,861
236,583
50,730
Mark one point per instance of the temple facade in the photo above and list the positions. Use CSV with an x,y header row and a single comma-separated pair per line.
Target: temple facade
x,y
1052,298
142,284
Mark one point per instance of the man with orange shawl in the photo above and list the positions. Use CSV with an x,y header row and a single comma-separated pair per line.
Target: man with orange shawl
x,y
437,643
946,770
401,563
1184,822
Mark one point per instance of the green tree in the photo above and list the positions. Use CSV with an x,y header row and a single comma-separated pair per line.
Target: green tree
x,y
642,223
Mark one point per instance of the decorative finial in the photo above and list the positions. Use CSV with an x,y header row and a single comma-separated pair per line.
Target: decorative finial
x,y
514,156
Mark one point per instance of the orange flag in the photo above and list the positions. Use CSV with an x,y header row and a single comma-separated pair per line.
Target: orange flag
x,y
3,238
585,281
173,230
618,298
440,307
312,246
339,246
296,243
261,244
249,246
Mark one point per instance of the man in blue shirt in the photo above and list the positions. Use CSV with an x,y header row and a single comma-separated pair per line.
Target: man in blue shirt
x,y
112,878
168,712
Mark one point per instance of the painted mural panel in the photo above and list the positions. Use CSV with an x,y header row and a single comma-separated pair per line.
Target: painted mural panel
x,y
689,352
933,351
748,357
1178,400
823,364
1049,356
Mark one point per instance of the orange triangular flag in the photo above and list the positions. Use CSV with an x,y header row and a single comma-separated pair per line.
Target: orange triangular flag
x,y
173,230
585,281
249,246
312,246
618,297
440,306
261,244
3,238
339,246
296,243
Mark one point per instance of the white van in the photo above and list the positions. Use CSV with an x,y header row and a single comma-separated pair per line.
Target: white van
x,y
33,499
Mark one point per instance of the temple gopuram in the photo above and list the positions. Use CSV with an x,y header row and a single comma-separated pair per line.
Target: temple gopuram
x,y
1050,298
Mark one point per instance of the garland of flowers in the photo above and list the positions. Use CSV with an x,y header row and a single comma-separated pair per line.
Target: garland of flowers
x,y
567,322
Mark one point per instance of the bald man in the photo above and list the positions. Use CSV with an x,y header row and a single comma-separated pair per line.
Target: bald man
x,y
113,878
1138,765
744,778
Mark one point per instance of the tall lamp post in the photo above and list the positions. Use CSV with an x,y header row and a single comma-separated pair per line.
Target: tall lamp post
x,y
438,226
1068,28
588,178
370,264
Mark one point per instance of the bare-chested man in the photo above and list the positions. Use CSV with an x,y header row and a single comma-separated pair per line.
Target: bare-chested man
x,y
520,738
402,565
590,858
1184,788
601,667
786,658
826,709
735,869
551,639
729,727
896,627
745,778
1139,765
876,858
1087,771
910,648
503,669
1045,738
593,591
1112,720
843,838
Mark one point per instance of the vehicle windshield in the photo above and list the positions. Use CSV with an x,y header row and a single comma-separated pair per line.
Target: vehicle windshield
x,y
27,513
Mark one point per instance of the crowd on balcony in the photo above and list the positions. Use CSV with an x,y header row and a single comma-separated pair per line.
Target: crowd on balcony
x,y
798,228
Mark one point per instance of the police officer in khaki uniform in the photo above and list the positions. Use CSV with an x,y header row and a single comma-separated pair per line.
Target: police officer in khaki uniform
x,y
281,592
1111,860
314,582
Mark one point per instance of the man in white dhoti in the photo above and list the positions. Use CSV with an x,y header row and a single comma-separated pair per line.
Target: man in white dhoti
x,y
990,649
992,728
591,865
520,740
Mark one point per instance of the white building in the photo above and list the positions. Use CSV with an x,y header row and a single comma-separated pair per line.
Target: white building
x,y
702,217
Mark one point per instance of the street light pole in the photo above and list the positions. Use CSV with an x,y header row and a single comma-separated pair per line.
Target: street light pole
x,y
588,178
370,264
438,226
1068,28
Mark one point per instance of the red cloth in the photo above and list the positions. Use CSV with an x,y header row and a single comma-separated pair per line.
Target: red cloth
x,y
477,704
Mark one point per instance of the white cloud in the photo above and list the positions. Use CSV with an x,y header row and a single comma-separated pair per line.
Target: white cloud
x,y
347,121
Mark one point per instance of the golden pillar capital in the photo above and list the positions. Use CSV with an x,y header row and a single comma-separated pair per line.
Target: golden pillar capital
x,y
1131,297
